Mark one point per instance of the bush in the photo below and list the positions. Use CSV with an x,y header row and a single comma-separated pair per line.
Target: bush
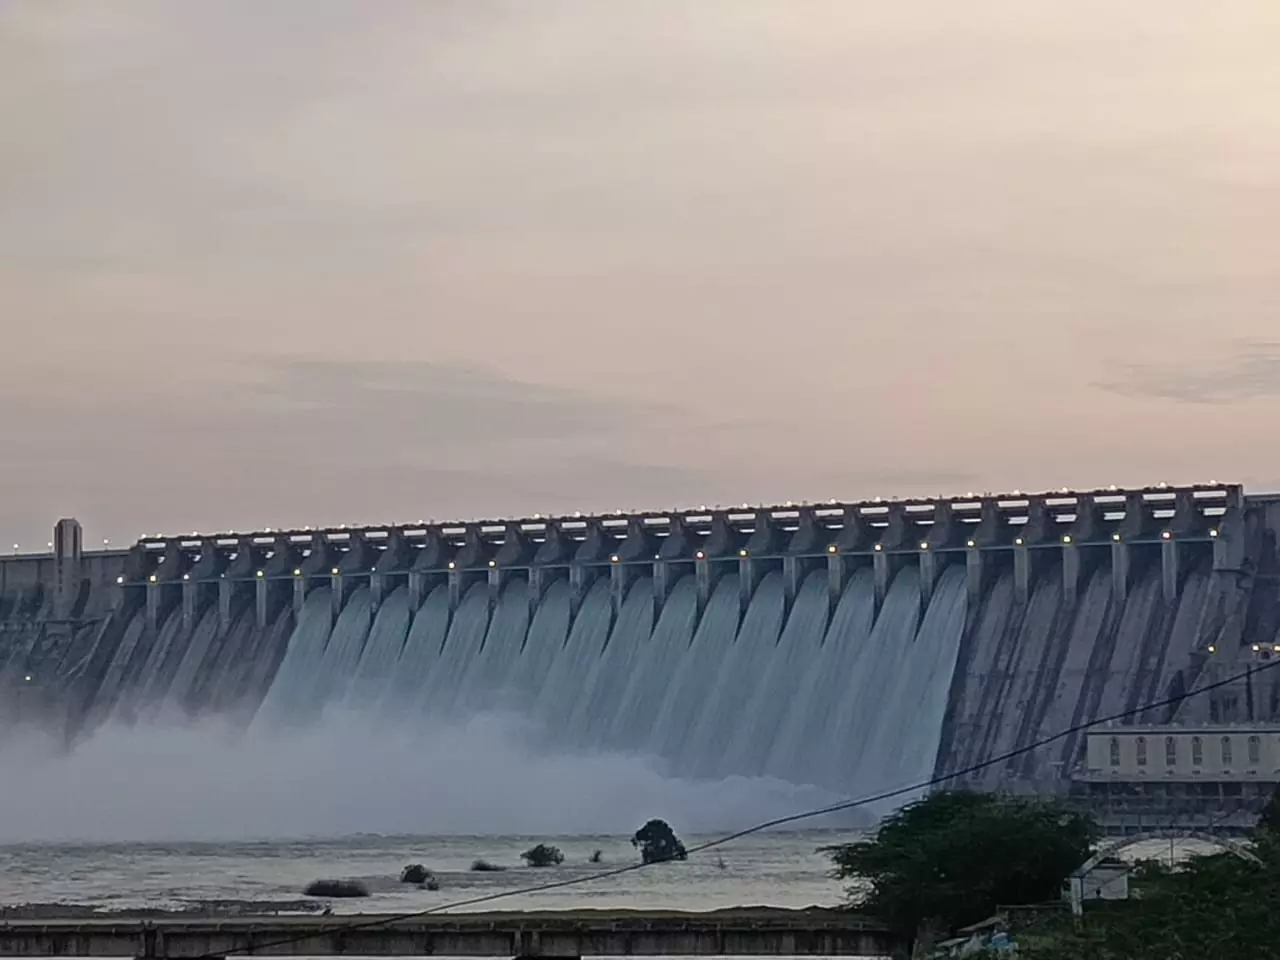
x,y
415,873
336,888
484,866
543,855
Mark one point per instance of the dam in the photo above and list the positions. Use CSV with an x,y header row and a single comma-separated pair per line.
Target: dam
x,y
857,646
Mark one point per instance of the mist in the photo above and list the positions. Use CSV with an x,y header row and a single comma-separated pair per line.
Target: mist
x,y
343,776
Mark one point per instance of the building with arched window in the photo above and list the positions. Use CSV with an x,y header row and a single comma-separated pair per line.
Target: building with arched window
x,y
1213,777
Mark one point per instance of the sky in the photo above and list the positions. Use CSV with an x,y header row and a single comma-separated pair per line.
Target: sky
x,y
327,261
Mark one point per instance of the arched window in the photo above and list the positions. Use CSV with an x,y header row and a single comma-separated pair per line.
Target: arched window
x,y
1226,751
1115,751
1170,752
1197,751
1142,751
1255,750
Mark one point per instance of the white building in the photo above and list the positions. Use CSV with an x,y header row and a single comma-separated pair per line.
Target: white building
x,y
1214,777
1235,752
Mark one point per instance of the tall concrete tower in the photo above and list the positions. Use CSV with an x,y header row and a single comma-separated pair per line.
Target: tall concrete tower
x,y
67,569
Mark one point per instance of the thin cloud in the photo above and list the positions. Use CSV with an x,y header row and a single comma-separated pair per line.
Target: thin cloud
x,y
1251,371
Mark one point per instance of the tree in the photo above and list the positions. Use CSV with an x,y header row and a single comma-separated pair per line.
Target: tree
x,y
658,843
1210,906
952,858
543,855
1266,834
1213,906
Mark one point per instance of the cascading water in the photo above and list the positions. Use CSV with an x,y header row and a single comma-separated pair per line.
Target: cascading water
x,y
462,645
606,683
737,678
791,678
300,667
641,699
847,693
553,708
808,719
418,656
484,681
382,652
697,670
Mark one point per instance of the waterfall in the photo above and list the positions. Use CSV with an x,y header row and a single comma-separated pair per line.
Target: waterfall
x,y
850,692
734,682
377,666
606,683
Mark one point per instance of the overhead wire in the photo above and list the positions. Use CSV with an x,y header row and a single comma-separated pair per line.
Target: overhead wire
x,y
810,814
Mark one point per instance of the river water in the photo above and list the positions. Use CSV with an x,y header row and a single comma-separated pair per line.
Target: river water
x,y
771,869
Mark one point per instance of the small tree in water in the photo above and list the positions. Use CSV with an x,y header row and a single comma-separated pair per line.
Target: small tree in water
x,y
658,842
543,855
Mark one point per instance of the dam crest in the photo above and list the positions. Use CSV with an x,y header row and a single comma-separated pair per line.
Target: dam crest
x,y
853,646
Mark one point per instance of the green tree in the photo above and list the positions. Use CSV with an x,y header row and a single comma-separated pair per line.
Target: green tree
x,y
1215,906
952,858
1211,906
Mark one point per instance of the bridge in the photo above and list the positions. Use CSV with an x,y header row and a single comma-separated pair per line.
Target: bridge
x,y
563,934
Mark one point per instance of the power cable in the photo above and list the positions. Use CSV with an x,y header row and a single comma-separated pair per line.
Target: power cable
x,y
759,827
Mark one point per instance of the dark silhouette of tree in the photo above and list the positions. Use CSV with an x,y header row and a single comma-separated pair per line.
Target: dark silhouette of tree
x,y
543,855
951,859
415,873
658,842
336,888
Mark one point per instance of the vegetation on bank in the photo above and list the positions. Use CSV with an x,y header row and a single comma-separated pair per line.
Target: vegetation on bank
x,y
951,860
1220,905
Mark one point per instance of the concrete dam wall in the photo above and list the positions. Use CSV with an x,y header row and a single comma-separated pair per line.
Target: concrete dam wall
x,y
855,646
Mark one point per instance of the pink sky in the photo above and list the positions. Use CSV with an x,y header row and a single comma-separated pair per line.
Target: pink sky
x,y
312,261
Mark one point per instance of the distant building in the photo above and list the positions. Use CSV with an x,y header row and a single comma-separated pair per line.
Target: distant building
x,y
1215,777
